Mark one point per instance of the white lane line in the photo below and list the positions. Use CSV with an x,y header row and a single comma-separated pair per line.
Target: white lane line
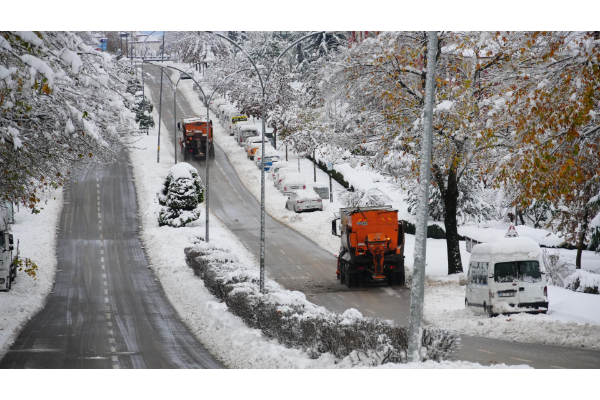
x,y
108,316
108,323
100,227
97,178
369,311
101,251
282,252
106,291
352,303
115,358
485,351
105,284
297,266
97,185
116,366
102,258
101,238
98,205
520,359
556,366
98,199
104,275
103,267
99,215
110,332
113,349
106,299
111,340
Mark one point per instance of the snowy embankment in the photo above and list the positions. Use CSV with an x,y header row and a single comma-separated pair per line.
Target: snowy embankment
x,y
28,295
569,312
224,334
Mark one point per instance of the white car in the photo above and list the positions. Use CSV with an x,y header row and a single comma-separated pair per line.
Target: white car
x,y
281,173
271,154
281,164
305,200
291,183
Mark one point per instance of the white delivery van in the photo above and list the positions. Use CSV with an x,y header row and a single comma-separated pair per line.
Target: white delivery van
x,y
8,271
221,110
507,276
233,116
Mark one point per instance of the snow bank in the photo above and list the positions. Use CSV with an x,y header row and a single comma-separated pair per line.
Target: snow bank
x,y
28,295
583,282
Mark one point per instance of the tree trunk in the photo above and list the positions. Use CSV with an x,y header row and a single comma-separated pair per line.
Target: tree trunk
x,y
450,195
584,228
520,214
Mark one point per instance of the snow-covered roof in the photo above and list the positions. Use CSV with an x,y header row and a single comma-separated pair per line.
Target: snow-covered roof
x,y
190,120
514,247
244,128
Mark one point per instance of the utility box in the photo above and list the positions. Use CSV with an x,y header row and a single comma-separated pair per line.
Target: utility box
x,y
322,190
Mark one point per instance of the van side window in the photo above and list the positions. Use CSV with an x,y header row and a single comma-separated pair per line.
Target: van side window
x,y
484,273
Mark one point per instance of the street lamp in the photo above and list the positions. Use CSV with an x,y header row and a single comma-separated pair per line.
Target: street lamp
x,y
143,56
263,112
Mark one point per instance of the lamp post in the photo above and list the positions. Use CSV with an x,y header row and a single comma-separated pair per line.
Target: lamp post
x,y
143,56
415,329
263,108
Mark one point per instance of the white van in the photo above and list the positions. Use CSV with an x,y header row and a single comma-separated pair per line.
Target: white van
x,y
215,103
221,110
507,276
246,131
232,117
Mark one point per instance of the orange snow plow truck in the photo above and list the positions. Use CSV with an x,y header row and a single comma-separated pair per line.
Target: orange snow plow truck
x,y
194,137
372,246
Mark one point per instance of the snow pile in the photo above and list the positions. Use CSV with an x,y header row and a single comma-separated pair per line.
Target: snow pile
x,y
572,320
28,295
296,323
583,282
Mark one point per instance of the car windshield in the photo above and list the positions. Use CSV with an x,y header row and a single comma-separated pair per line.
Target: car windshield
x,y
505,272
529,271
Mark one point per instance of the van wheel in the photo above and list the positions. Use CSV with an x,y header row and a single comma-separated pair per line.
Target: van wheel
x,y
9,284
466,303
488,311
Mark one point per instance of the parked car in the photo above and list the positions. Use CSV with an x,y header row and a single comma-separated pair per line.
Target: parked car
x,y
507,276
281,164
281,174
270,152
292,183
245,132
304,201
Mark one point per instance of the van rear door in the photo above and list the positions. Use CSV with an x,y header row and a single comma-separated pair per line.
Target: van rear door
x,y
531,283
506,283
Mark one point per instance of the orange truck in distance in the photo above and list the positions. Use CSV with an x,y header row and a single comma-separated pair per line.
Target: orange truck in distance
x,y
194,137
372,246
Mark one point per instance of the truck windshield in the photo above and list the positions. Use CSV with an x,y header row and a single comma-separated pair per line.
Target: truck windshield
x,y
505,272
2,240
529,271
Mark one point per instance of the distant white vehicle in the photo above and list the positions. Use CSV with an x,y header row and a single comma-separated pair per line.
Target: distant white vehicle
x,y
305,200
281,164
8,271
507,276
291,183
270,154
281,173
216,103
231,118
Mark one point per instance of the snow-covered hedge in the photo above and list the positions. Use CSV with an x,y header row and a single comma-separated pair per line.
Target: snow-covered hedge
x,y
182,191
296,323
583,281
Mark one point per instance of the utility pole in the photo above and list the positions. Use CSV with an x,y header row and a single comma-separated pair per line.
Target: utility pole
x,y
415,329
314,165
162,53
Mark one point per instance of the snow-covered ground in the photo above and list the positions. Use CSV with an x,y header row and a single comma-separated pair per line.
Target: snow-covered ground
x,y
28,295
565,323
225,335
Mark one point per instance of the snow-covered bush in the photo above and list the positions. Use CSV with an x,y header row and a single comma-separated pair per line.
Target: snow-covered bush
x,y
557,267
182,191
296,323
583,281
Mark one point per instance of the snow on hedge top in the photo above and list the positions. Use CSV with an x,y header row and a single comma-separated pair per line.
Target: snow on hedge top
x,y
71,58
29,37
182,170
40,67
512,248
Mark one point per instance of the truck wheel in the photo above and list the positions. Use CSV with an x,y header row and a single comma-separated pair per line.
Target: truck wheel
x,y
9,284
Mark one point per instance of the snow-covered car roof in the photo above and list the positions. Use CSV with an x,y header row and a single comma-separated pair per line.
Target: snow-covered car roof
x,y
307,195
269,151
293,178
248,127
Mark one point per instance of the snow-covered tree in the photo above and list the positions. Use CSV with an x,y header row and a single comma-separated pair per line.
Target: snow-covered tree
x,y
61,102
181,193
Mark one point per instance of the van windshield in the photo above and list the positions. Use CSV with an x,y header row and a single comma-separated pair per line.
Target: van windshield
x,y
524,271
505,272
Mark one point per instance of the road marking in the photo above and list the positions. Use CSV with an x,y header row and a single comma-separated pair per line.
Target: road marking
x,y
485,351
104,276
369,311
98,199
115,358
556,366
98,205
106,299
106,292
97,185
108,316
111,340
297,266
99,215
116,366
113,349
101,259
110,332
105,284
101,251
101,237
520,359
282,252
99,227
103,267
97,178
